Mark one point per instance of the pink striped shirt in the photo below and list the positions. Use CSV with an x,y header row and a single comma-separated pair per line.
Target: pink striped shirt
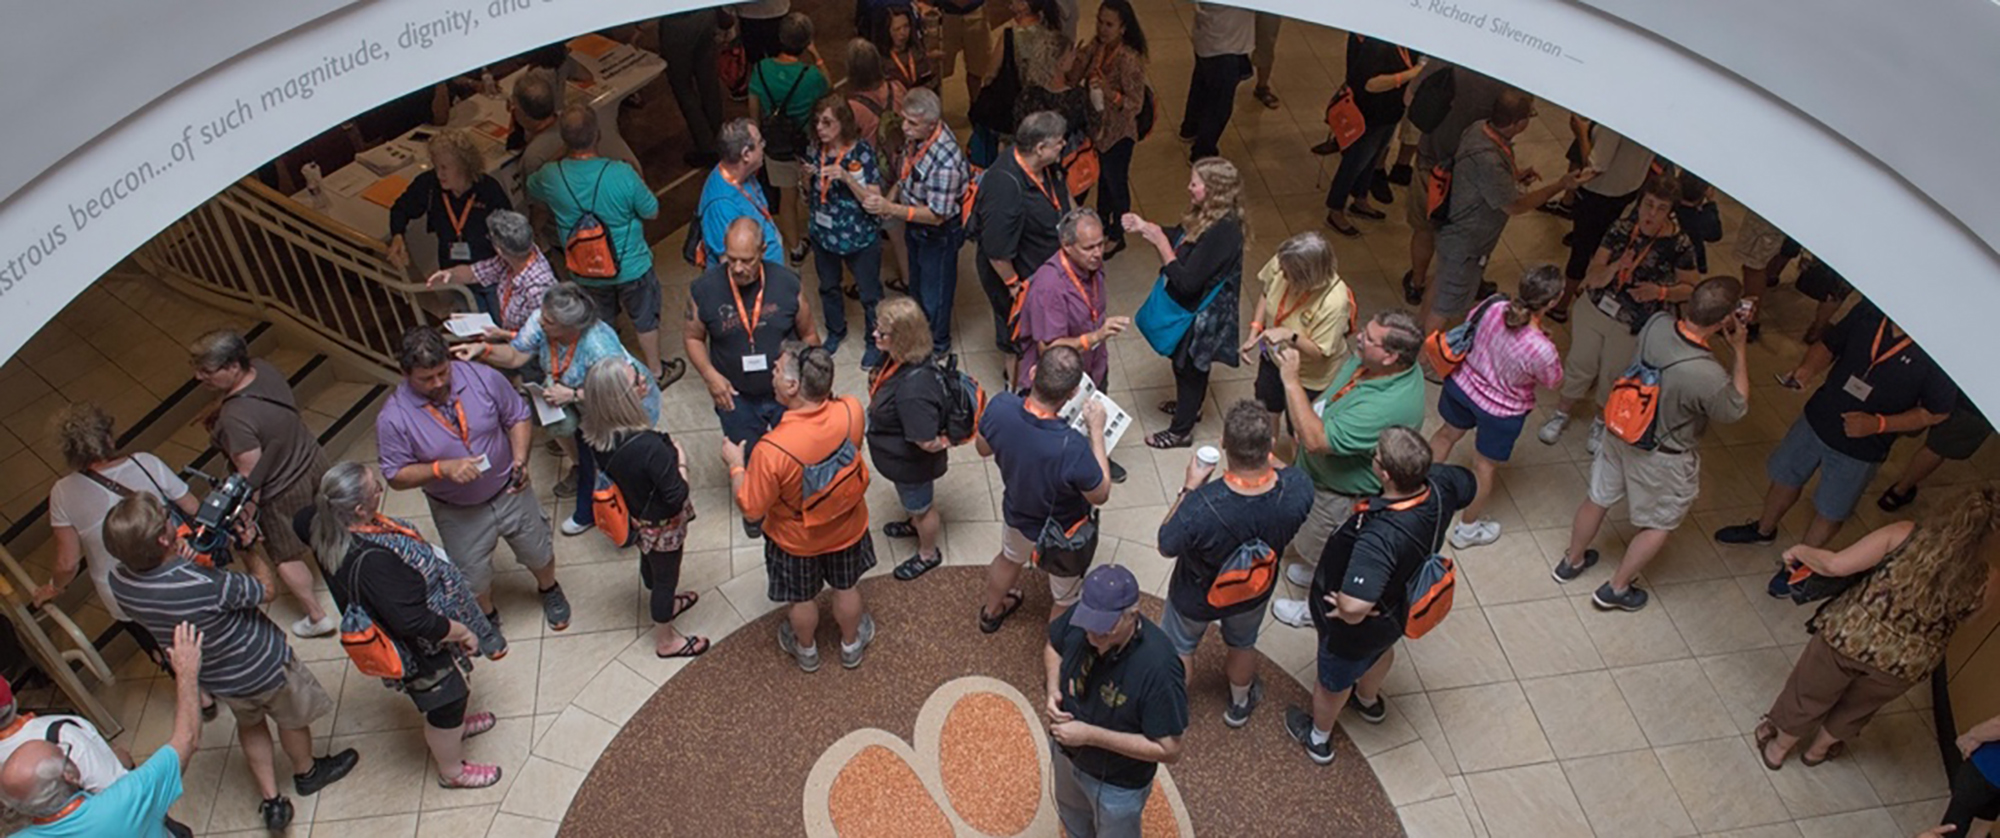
x,y
1505,365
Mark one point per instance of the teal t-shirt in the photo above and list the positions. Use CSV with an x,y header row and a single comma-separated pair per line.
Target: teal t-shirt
x,y
620,199
1355,422
135,805
773,78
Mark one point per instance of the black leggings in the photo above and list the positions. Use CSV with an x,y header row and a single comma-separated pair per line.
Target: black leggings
x,y
1972,796
662,574
449,716
1190,389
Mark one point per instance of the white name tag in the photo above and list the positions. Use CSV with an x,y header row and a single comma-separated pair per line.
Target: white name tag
x,y
822,219
461,252
1609,305
755,363
1857,388
484,464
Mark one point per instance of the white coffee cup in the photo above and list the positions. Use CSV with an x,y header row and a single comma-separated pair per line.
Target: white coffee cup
x,y
1096,98
1208,455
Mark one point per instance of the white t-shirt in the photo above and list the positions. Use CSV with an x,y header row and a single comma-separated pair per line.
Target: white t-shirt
x,y
95,761
80,503
1621,164
1224,30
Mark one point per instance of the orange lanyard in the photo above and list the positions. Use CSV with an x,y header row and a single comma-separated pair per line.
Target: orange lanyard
x,y
1360,374
19,722
1625,276
909,71
1094,309
1690,337
1399,506
381,525
1035,411
1037,181
456,218
64,812
560,363
911,163
1875,354
1251,484
750,316
1107,52
1501,143
746,196
883,377
1286,310
508,285
463,429
825,181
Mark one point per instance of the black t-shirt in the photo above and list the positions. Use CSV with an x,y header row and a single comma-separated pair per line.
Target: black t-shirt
x,y
1017,220
439,209
1899,382
1139,688
1213,521
728,343
646,469
392,592
1371,57
1373,556
906,408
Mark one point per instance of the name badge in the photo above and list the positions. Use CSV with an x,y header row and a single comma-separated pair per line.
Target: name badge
x,y
484,464
755,363
1857,388
1609,305
461,251
822,219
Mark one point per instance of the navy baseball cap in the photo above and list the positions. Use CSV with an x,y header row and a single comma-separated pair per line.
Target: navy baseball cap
x,y
1107,592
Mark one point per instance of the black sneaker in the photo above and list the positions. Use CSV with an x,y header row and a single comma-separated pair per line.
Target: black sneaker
x,y
326,771
1379,189
1117,472
1744,534
177,829
1238,715
1372,714
1299,724
1606,599
277,813
1566,572
1412,292
1326,148
1400,174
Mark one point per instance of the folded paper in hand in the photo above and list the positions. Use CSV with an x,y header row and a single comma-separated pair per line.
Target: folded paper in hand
x,y
470,324
1116,420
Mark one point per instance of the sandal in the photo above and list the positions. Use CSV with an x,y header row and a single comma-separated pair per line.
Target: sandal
x,y
899,529
989,625
477,723
1891,500
671,371
1342,227
1169,439
684,601
1832,751
1412,292
471,776
1169,406
691,647
916,566
1765,733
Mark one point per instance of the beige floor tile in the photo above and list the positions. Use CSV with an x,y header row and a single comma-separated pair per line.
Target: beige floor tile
x,y
1627,794
389,779
1463,790
388,826
469,822
1423,718
1547,496
577,739
1673,702
1687,557
601,597
1833,787
1747,682
235,799
572,660
507,687
1491,727
1722,784
1460,652
749,592
1898,752
1629,638
1713,616
543,790
1371,739
1785,619
1912,818
199,786
1543,638
507,825
1609,544
1775,830
1410,775
1584,714
1440,818
1867,823
1512,569
1533,801
506,745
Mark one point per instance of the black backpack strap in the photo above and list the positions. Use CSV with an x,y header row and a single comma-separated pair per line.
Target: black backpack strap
x,y
113,486
54,733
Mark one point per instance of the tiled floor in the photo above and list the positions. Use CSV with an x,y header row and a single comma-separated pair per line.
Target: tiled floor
x,y
1527,714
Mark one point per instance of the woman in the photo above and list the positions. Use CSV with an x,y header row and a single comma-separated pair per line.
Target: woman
x,y
1975,787
518,272
906,409
840,169
650,470
1874,641
1201,254
454,197
900,39
783,89
1307,306
1377,72
1494,390
1026,49
1113,66
565,338
419,600
877,101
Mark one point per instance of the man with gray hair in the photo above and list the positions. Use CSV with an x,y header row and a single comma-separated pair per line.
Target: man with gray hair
x,y
1064,305
518,272
1377,387
732,192
40,781
1022,198
536,102
928,193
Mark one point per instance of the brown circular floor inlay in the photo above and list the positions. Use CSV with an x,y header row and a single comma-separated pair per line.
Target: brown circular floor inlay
x,y
937,734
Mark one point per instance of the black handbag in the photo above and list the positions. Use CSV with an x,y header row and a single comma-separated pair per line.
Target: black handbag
x,y
994,109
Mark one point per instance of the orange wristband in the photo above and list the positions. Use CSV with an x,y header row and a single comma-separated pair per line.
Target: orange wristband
x,y
910,215
1256,325
1085,341
436,471
735,470
1881,424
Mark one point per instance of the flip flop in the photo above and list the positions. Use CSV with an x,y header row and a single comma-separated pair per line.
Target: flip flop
x,y
989,625
684,601
691,647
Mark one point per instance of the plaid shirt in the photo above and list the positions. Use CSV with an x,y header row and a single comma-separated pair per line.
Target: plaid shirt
x,y
520,293
936,181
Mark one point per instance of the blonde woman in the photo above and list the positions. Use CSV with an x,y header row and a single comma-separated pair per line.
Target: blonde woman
x,y
1874,641
906,410
1203,253
454,197
650,469
1307,307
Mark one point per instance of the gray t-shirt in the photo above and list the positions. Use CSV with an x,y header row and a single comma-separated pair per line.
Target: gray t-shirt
x,y
1693,393
1472,99
1482,185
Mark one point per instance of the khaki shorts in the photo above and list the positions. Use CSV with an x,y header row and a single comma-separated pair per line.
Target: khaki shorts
x,y
968,34
294,704
1758,242
469,533
1657,487
1415,199
1018,548
784,174
1408,135
275,514
1329,511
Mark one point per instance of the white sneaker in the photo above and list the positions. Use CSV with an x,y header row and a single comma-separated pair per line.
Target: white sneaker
x,y
1552,430
305,627
1596,436
1475,534
570,526
1300,575
1291,612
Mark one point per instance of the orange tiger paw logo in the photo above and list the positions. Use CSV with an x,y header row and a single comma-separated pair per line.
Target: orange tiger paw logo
x,y
980,768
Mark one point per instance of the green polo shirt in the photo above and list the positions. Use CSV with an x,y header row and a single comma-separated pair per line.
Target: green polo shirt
x,y
1354,422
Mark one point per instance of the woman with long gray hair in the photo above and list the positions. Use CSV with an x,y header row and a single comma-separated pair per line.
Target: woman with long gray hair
x,y
381,568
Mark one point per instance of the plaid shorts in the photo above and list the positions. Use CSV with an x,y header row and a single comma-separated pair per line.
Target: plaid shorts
x,y
800,578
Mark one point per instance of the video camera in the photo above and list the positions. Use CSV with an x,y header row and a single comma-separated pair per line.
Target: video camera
x,y
210,534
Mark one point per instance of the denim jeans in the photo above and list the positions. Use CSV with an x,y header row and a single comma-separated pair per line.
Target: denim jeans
x,y
934,276
1357,166
1092,808
867,267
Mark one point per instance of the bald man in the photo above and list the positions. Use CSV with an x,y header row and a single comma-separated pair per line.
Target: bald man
x,y
40,782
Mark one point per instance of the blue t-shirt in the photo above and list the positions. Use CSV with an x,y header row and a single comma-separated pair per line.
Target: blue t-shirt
x,y
723,202
839,224
135,805
1045,465
612,190
1986,758
597,343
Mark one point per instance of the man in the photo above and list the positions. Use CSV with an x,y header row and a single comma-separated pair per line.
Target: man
x,y
805,484
1021,200
1360,593
41,781
1065,305
687,42
1264,56
1879,385
535,104
1660,485
1487,188
98,763
1117,707
740,313
732,193
1472,99
1378,387
964,30
1621,167
1224,38
251,667
1052,482
461,433
257,424
1253,511
928,195
614,194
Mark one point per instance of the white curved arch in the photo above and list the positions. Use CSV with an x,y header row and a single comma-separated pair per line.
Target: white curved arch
x,y
1930,268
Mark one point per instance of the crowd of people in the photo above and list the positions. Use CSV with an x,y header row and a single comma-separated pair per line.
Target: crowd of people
x,y
1322,479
